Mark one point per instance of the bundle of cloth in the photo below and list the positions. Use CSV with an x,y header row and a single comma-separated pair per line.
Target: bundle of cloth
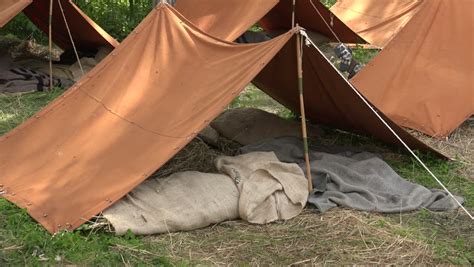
x,y
22,80
255,187
32,74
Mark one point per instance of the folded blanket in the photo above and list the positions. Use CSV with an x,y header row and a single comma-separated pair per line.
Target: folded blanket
x,y
360,181
18,80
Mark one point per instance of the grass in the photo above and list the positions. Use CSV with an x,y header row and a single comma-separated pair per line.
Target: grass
x,y
339,236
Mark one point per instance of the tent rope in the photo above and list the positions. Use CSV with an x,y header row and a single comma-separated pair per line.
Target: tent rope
x,y
70,36
293,15
303,33
50,44
325,22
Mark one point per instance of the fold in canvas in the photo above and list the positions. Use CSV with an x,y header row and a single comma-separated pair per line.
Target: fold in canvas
x,y
125,119
424,78
225,20
280,18
329,98
10,8
377,21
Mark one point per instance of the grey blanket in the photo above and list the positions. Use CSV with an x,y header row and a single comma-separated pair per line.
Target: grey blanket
x,y
361,181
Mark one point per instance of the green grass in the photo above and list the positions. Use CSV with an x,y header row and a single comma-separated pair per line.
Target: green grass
x,y
24,242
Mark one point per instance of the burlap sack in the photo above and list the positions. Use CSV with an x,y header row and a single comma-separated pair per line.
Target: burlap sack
x,y
183,201
269,189
87,63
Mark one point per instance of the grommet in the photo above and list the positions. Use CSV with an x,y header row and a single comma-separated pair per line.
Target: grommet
x,y
45,215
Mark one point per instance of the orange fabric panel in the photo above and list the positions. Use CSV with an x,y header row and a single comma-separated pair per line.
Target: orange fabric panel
x,y
424,78
226,20
377,21
87,35
280,18
10,8
125,119
329,98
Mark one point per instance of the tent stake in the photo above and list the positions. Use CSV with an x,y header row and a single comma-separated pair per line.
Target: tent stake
x,y
50,45
299,54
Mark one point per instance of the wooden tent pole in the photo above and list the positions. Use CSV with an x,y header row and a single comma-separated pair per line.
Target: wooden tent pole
x,y
299,59
50,45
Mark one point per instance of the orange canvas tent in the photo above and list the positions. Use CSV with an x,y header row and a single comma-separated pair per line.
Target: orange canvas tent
x,y
134,111
123,121
424,78
377,21
87,35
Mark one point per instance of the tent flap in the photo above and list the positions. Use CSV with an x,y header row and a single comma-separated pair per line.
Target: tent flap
x,y
87,35
10,8
125,119
377,21
424,78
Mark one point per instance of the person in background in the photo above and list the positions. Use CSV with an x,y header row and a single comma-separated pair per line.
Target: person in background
x,y
348,63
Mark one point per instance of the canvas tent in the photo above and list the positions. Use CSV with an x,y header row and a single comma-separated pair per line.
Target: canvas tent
x,y
424,78
377,21
313,16
87,35
120,123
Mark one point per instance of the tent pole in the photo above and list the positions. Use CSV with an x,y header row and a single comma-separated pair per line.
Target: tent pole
x,y
50,34
299,59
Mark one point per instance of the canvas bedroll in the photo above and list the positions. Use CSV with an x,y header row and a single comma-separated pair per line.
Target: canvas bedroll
x,y
120,123
88,36
424,78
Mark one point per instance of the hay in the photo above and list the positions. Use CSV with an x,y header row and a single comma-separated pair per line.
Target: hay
x,y
459,145
197,156
338,236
